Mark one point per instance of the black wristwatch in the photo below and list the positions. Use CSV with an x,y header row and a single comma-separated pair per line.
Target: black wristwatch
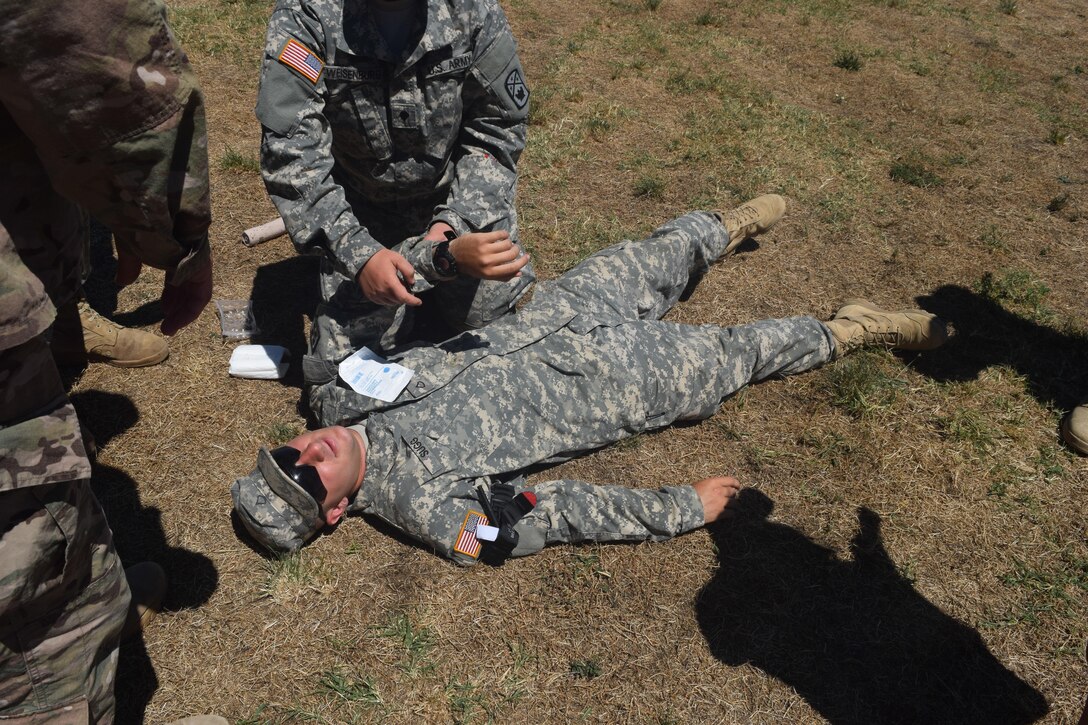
x,y
444,262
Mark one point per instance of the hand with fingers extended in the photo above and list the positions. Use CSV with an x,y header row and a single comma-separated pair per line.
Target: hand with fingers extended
x,y
387,279
716,494
182,302
488,255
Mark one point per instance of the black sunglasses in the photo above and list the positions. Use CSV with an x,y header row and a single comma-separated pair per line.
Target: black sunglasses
x,y
305,476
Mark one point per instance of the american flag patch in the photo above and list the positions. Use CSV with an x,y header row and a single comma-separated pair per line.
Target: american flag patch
x,y
298,56
467,543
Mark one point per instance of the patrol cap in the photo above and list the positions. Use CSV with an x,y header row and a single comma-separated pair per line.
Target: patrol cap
x,y
275,510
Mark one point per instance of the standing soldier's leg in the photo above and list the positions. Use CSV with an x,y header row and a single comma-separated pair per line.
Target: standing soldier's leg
x,y
63,595
644,279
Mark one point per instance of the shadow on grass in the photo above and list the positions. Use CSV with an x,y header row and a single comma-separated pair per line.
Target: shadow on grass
x,y
1055,364
285,294
101,290
139,536
853,637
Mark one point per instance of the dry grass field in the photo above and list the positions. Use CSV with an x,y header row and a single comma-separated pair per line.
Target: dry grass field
x,y
912,547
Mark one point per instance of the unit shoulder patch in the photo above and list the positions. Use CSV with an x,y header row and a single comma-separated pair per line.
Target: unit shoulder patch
x,y
516,89
301,59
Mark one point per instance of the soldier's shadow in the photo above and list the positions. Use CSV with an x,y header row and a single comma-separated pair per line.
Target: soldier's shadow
x,y
284,295
100,288
1054,363
853,637
139,536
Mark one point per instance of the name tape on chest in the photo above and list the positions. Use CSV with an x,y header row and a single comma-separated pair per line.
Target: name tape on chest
x,y
298,57
351,74
450,65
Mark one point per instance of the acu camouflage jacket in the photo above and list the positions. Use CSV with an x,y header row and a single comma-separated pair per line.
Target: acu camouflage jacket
x,y
352,134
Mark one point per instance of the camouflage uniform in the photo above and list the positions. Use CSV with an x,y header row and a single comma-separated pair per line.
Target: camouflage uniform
x,y
99,107
363,150
586,363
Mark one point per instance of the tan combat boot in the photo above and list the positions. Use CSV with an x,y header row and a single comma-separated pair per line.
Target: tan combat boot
x,y
860,323
147,582
752,218
1075,429
106,341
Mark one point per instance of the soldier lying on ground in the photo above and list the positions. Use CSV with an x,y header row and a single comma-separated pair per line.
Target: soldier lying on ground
x,y
586,363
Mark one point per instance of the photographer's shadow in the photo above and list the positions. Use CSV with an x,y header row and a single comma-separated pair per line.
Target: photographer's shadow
x,y
853,637
1054,363
138,536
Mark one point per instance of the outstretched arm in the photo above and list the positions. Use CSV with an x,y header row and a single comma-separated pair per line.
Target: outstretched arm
x,y
566,511
575,511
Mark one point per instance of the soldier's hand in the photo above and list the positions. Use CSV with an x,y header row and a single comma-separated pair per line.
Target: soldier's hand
x,y
488,255
716,494
128,268
387,278
181,303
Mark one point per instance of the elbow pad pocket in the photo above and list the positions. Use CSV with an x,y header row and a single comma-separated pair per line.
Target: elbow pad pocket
x,y
500,71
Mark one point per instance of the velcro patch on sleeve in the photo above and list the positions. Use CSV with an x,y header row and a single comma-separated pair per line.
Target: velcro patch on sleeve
x,y
467,543
516,88
297,56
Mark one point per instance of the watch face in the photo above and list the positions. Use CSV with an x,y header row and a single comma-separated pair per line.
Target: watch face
x,y
444,261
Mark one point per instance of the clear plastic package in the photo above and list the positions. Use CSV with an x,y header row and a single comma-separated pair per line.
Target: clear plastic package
x,y
236,318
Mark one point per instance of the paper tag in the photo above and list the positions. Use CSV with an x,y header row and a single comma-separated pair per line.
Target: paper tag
x,y
372,376
486,533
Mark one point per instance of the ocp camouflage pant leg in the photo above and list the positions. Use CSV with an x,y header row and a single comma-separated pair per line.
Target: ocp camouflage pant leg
x,y
47,230
64,601
63,594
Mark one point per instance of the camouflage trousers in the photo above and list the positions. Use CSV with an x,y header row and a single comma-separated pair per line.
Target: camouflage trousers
x,y
63,594
346,320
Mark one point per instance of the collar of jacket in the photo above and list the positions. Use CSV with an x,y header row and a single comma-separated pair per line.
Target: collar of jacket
x,y
359,34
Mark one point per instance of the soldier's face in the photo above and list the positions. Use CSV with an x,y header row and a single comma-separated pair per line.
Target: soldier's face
x,y
339,457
